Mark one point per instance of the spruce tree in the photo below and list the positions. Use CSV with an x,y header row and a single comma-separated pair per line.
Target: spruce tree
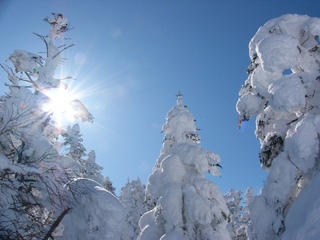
x,y
283,91
133,199
239,225
188,206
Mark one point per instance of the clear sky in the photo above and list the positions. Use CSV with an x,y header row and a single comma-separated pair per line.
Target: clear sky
x,y
131,58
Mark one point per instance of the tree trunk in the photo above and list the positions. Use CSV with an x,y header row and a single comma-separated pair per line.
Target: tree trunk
x,y
56,223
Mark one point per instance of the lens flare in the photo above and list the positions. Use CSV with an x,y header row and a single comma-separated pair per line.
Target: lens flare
x,y
59,104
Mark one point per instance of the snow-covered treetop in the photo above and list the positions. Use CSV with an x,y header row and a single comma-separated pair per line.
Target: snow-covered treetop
x,y
179,98
284,80
180,124
284,63
38,72
91,164
73,139
59,24
181,138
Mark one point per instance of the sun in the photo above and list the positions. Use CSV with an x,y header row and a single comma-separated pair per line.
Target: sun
x,y
59,104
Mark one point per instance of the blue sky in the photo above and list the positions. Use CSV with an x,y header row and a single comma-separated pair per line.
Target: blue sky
x,y
130,59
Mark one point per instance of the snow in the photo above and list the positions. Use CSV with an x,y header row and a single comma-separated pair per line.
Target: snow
x,y
59,24
278,52
240,219
5,163
303,144
196,206
172,169
133,199
188,206
261,215
25,61
195,156
33,198
279,183
288,93
303,218
260,80
148,228
283,89
98,214
174,234
80,111
171,205
286,24
249,105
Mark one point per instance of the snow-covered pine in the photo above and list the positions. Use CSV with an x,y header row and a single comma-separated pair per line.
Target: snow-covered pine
x,y
132,197
239,224
234,203
73,142
76,152
33,196
188,206
107,184
246,217
283,90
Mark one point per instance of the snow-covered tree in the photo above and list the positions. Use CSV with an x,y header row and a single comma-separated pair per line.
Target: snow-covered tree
x,y
73,140
283,90
98,214
234,203
33,196
85,168
239,225
133,199
107,184
188,206
246,218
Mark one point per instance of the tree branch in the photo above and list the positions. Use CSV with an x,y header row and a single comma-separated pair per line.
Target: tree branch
x,y
56,224
71,45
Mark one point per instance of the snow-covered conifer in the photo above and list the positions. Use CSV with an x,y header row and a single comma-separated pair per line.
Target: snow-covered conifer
x,y
234,203
73,139
107,184
283,90
246,218
239,225
188,206
33,199
32,194
84,168
132,197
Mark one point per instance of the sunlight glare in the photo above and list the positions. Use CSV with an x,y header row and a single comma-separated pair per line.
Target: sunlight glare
x,y
59,104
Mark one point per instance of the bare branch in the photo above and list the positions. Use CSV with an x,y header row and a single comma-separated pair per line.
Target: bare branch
x,y
33,82
65,48
43,39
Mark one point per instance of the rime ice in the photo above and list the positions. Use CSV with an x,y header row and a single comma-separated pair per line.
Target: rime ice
x,y
187,205
283,90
